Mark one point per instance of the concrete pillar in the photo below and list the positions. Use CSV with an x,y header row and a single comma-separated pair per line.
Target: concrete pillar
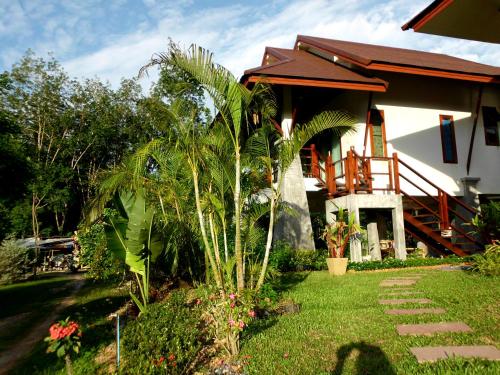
x,y
373,241
294,228
471,196
398,229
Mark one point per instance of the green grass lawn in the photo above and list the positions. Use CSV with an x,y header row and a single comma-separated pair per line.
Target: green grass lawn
x,y
341,328
94,302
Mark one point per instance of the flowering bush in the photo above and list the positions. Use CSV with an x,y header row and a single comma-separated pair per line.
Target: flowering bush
x,y
64,338
229,314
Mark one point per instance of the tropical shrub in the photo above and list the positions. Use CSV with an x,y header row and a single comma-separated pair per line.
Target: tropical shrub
x,y
94,253
15,261
398,263
165,339
338,233
487,225
285,259
489,262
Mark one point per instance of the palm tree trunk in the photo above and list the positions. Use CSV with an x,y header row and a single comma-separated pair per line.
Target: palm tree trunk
x,y
201,220
240,281
269,242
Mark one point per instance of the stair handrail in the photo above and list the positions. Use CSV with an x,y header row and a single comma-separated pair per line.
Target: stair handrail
x,y
464,205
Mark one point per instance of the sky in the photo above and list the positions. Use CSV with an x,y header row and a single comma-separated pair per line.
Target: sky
x,y
111,39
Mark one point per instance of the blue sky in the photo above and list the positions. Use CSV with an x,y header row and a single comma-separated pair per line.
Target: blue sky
x,y
114,38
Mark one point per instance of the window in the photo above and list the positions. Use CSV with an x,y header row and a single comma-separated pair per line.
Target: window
x,y
490,120
448,139
377,133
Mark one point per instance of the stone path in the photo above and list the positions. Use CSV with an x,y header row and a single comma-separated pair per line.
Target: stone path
x,y
397,282
415,311
433,353
427,329
402,285
403,301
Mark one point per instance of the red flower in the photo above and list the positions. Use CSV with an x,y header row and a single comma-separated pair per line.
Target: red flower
x,y
252,314
171,357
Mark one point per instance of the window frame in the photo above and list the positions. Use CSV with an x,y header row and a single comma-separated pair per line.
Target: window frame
x,y
382,129
454,160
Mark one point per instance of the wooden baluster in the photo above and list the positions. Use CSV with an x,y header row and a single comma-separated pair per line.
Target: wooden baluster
x,y
314,162
441,215
396,173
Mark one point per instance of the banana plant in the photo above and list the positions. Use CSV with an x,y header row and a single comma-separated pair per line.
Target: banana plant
x,y
131,236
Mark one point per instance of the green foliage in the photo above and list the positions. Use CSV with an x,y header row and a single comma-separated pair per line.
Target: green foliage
x,y
285,259
94,252
410,262
168,330
487,225
489,262
64,338
15,261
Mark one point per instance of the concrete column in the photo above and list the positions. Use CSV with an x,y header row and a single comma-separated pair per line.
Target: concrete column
x,y
471,196
398,228
373,241
355,251
294,228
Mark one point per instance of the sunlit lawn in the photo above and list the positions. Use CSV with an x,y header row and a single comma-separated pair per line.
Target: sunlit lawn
x,y
342,329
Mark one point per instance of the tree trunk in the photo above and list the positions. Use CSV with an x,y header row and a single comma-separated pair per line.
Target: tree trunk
x,y
201,220
240,277
69,365
269,242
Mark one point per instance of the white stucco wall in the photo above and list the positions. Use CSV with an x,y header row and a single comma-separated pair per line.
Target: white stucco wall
x,y
412,106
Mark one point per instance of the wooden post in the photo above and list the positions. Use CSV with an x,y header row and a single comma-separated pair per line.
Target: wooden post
x,y
330,176
396,173
349,173
314,162
446,220
368,175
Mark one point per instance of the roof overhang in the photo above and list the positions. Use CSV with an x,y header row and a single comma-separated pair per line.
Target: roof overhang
x,y
464,19
292,81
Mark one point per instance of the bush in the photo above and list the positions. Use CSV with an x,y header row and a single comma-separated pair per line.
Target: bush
x,y
164,340
15,261
398,263
489,262
94,253
284,259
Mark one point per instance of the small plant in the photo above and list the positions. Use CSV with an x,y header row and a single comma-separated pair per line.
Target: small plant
x,y
229,315
338,233
489,262
64,340
15,261
487,225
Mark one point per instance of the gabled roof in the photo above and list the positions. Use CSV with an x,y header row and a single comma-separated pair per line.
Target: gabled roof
x,y
300,68
374,57
465,19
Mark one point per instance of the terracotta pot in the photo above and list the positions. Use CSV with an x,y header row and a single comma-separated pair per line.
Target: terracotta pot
x,y
337,266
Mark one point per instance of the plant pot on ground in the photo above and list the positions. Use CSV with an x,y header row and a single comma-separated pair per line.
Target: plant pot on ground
x,y
337,235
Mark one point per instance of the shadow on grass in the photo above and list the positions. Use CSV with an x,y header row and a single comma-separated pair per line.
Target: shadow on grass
x,y
370,359
98,332
289,280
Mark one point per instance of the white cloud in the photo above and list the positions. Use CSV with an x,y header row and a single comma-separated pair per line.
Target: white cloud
x,y
238,34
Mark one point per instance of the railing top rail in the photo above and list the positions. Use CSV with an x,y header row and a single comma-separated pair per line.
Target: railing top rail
x,y
467,207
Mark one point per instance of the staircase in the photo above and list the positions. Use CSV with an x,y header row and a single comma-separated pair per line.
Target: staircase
x,y
436,218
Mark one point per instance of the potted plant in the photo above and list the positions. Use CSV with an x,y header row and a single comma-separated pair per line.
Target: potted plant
x,y
337,235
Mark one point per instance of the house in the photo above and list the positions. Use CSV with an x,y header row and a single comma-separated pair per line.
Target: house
x,y
425,154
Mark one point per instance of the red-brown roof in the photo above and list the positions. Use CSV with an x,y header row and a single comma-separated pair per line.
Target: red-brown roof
x,y
382,58
302,68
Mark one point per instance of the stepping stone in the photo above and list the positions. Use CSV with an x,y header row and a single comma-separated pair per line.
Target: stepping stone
x,y
431,328
437,310
386,283
402,301
402,293
433,353
407,278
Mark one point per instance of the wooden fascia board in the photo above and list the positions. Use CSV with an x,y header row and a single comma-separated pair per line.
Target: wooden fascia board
x,y
318,83
431,14
433,73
